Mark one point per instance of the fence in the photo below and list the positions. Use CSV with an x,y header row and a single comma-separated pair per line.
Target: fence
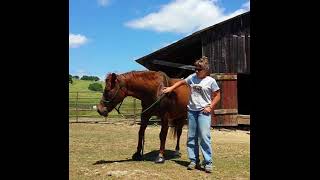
x,y
81,108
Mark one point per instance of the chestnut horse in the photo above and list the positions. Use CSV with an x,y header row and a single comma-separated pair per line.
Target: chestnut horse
x,y
147,86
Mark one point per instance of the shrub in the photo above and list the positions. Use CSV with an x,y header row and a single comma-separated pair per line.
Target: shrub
x,y
95,87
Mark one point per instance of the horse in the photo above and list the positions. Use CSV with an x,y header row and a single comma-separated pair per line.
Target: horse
x,y
147,86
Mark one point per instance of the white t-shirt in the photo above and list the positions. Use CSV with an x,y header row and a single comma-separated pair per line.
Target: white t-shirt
x,y
201,90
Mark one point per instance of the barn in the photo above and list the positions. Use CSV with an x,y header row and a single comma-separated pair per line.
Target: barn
x,y
227,46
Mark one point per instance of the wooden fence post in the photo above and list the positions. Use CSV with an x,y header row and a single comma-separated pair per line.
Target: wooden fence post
x,y
77,106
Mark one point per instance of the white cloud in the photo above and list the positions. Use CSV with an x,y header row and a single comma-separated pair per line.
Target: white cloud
x,y
185,16
103,2
76,40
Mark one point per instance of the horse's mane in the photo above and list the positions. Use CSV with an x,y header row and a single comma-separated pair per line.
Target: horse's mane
x,y
146,75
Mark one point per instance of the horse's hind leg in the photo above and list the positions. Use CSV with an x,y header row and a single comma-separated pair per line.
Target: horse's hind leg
x,y
163,137
144,122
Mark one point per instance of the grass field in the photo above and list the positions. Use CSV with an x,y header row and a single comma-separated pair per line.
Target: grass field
x,y
87,99
103,151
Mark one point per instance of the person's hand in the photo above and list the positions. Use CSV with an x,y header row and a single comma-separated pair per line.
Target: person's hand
x,y
207,109
166,89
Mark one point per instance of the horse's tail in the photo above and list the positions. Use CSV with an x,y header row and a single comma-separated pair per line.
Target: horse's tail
x,y
176,126
174,130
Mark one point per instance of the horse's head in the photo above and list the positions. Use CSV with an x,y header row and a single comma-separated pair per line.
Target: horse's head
x,y
114,93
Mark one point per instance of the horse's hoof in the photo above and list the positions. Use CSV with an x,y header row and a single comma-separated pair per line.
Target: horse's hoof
x,y
159,159
137,156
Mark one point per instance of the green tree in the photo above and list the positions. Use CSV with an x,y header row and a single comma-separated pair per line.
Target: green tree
x,y
95,78
90,78
70,79
76,77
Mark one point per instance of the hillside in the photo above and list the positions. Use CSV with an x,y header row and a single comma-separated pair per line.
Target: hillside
x,y
82,85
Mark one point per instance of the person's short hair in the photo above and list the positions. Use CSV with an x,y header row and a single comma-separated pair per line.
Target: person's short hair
x,y
203,63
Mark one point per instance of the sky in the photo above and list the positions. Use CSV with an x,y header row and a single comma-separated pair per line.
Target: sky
x,y
109,35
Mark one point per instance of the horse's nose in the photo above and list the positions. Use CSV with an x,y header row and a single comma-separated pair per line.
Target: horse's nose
x,y
102,113
102,110
97,107
98,111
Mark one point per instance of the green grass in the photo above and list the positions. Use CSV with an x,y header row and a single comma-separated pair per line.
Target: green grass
x,y
103,151
87,99
82,85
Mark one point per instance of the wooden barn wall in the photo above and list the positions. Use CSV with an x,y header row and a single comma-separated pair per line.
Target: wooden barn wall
x,y
228,46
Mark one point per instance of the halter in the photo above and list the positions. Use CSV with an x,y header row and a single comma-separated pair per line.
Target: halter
x,y
121,84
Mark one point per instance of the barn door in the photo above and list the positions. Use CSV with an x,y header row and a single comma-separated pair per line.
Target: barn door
x,y
226,111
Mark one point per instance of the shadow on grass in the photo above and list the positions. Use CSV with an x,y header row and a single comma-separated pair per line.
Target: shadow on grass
x,y
182,163
150,156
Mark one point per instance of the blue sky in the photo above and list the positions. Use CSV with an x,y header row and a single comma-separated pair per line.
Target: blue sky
x,y
109,35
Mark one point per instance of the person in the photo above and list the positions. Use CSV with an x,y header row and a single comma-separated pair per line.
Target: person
x,y
201,105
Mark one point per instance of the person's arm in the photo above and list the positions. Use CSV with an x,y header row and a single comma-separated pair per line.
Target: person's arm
x,y
214,101
175,85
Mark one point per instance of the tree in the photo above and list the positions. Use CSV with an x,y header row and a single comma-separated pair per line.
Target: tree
x,y
76,77
70,79
95,78
90,78
85,77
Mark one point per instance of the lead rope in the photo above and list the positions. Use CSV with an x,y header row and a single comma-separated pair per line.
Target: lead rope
x,y
118,109
159,99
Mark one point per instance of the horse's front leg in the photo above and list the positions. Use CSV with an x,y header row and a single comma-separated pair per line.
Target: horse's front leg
x,y
163,137
179,132
144,122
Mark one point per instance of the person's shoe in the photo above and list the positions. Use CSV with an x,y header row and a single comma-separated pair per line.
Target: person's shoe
x,y
208,168
193,166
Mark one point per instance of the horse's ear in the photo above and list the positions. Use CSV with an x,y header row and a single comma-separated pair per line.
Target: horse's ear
x,y
113,80
113,75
